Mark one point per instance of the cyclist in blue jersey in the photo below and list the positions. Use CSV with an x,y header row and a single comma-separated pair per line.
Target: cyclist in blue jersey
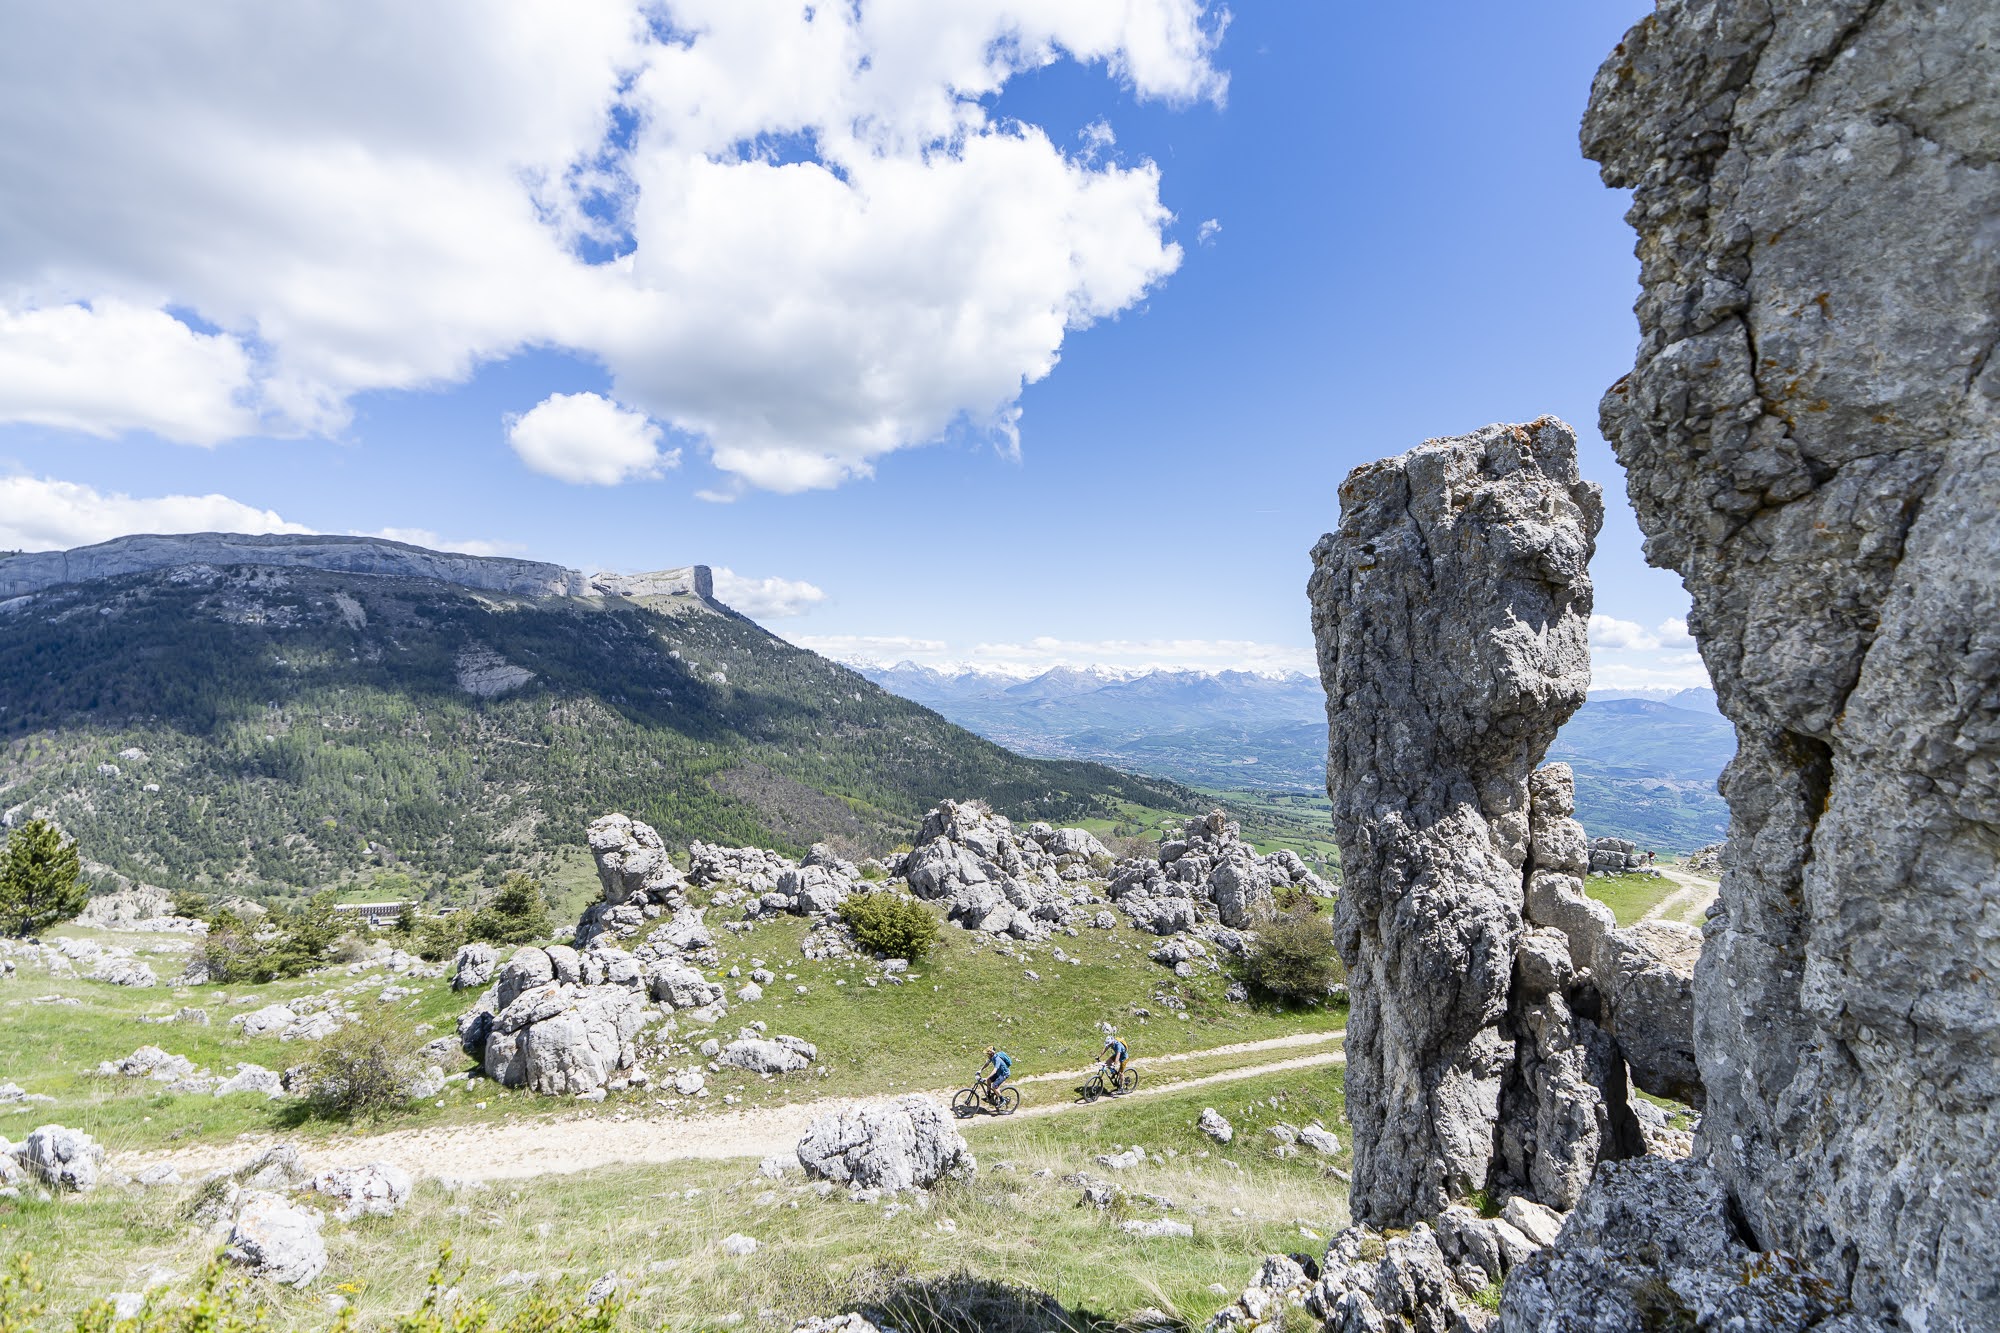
x,y
994,1072
1114,1055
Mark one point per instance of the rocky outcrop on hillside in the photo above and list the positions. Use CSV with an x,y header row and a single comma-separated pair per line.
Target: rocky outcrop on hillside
x,y
1808,436
991,878
142,909
563,1023
22,574
1450,611
688,581
641,885
1208,874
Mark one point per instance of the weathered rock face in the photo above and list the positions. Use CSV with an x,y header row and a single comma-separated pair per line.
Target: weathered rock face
x,y
351,555
640,882
1450,613
562,1022
909,1143
1660,1229
993,879
1809,437
1208,875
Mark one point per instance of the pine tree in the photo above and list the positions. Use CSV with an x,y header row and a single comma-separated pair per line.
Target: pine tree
x,y
517,913
41,879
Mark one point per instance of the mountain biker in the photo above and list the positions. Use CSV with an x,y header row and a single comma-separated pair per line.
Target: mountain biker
x,y
1114,1055
994,1072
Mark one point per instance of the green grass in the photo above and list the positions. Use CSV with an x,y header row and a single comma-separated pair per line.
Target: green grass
x,y
927,1034
658,1226
1629,897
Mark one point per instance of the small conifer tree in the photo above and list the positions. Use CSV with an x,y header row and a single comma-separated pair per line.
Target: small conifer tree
x,y
41,879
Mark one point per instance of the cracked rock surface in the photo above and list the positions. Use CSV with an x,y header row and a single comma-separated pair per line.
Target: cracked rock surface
x,y
1809,437
1450,612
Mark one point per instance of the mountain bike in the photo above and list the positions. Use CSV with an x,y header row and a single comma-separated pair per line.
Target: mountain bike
x,y
981,1097
1102,1083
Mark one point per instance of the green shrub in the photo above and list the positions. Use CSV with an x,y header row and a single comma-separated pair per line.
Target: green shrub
x,y
365,1068
194,906
438,937
517,912
41,879
227,1300
890,924
1293,958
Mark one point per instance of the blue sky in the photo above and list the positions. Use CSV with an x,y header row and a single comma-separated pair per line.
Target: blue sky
x,y
1405,243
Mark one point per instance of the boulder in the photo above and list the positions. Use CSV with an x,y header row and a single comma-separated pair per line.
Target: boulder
x,y
148,1062
251,1078
1373,1281
639,881
1213,1124
124,971
375,1190
62,1159
475,965
562,1039
269,1021
680,986
772,1055
909,1143
1157,1228
528,968
277,1240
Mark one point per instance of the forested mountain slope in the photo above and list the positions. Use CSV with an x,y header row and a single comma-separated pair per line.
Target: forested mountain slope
x,y
246,725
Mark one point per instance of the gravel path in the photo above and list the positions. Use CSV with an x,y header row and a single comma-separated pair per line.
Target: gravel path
x,y
1690,899
559,1146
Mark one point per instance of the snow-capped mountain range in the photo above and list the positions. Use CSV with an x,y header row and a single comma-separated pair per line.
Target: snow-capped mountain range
x,y
1646,760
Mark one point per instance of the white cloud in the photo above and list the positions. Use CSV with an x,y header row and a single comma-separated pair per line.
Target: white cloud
x,y
589,440
1039,654
768,598
825,247
117,367
884,648
1609,632
1625,655
1209,230
42,514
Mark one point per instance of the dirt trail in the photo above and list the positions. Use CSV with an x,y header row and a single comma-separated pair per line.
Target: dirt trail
x,y
538,1147
1693,892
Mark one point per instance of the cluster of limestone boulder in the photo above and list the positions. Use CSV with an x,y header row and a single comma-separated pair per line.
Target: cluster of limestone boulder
x,y
567,1020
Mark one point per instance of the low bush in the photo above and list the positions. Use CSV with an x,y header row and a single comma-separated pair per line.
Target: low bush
x,y
438,937
365,1068
226,1300
260,950
1292,957
890,924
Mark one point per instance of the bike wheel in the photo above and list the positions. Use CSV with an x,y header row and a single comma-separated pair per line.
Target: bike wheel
x,y
964,1102
1005,1101
1088,1091
1128,1080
